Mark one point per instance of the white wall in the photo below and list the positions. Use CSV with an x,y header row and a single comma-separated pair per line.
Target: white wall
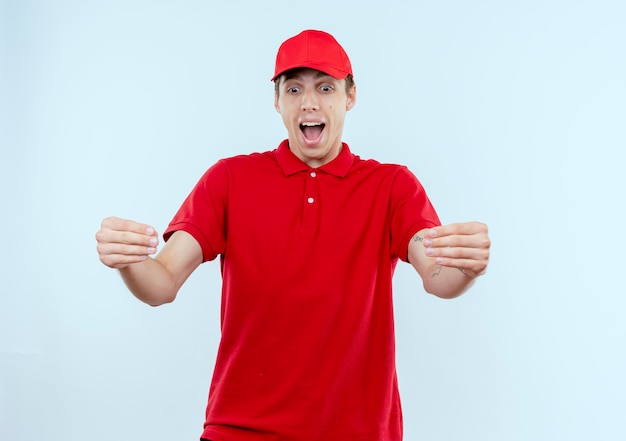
x,y
509,112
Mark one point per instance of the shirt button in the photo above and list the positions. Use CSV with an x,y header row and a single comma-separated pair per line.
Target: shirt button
x,y
313,174
310,200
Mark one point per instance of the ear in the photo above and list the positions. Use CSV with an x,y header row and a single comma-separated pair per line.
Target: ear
x,y
276,105
351,101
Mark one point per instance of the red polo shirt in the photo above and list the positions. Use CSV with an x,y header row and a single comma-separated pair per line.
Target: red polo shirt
x,y
307,350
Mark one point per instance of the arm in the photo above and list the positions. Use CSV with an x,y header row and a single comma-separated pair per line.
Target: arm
x,y
449,258
127,246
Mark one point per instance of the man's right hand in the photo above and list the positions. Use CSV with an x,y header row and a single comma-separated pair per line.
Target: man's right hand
x,y
122,242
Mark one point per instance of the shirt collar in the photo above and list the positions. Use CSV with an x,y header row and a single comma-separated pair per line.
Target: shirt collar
x,y
291,164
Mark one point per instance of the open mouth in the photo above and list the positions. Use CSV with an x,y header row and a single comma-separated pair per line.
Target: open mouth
x,y
312,130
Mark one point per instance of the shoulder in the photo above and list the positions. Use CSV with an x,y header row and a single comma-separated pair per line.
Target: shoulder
x,y
257,162
254,158
398,178
245,164
361,165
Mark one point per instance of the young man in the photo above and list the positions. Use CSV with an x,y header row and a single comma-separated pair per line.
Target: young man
x,y
308,236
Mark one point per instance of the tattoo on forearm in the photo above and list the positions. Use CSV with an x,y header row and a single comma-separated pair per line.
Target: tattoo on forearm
x,y
418,238
437,270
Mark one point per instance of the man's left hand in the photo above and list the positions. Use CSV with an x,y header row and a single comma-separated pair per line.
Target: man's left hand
x,y
462,245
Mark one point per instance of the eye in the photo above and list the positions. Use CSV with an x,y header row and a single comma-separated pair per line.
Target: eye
x,y
293,89
327,88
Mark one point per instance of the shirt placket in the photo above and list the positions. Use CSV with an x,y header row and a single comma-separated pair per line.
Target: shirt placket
x,y
311,203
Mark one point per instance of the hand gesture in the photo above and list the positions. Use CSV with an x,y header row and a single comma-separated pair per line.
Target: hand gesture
x,y
464,246
123,242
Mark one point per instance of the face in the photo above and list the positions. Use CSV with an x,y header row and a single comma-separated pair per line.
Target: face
x,y
313,106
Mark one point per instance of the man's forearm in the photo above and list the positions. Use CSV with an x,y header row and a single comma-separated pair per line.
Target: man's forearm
x,y
446,282
150,282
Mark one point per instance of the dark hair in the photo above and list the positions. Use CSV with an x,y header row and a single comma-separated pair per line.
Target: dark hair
x,y
349,81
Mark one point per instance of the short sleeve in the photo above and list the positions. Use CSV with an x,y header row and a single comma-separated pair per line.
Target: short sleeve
x,y
411,211
203,213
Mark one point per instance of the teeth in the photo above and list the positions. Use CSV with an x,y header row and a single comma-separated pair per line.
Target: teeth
x,y
311,124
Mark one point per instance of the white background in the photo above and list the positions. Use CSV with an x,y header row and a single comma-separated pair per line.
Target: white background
x,y
511,113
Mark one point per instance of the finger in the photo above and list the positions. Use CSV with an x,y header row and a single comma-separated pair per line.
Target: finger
x,y
131,238
470,267
118,224
116,230
123,249
120,261
467,241
471,235
464,228
107,236
458,252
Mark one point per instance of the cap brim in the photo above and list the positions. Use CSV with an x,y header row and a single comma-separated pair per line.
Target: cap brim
x,y
333,72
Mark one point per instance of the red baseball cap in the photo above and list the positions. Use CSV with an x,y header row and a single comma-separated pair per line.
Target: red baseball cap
x,y
313,49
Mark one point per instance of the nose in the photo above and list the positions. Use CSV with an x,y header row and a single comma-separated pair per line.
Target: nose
x,y
309,100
